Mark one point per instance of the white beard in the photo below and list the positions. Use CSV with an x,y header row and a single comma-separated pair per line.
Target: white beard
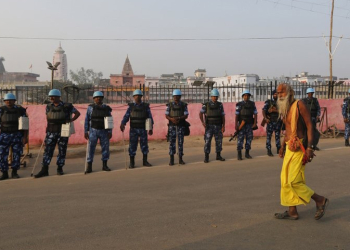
x,y
283,106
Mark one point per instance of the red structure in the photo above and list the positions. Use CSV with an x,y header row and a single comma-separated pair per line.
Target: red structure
x,y
127,77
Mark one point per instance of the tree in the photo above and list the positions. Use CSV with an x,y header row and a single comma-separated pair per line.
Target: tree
x,y
85,77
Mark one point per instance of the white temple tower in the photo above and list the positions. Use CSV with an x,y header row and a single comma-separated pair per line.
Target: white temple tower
x,y
61,74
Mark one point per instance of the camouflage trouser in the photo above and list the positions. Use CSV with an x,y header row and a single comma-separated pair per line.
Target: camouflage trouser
x,y
13,140
172,139
134,135
211,130
316,133
246,132
50,143
347,131
94,135
270,128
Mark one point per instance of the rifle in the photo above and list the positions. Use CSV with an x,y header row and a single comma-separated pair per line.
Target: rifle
x,y
239,129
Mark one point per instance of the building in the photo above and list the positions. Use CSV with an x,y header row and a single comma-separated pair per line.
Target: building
x,y
231,87
18,77
61,74
127,77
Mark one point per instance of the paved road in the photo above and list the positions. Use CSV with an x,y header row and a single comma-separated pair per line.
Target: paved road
x,y
219,205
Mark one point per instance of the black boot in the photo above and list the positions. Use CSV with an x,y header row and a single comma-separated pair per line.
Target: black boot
x,y
317,148
5,175
171,163
105,167
89,167
206,158
269,153
239,155
181,161
132,162
278,150
247,155
60,170
218,157
145,162
43,172
347,143
14,174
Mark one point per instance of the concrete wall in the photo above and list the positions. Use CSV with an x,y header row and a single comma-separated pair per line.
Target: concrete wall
x,y
38,120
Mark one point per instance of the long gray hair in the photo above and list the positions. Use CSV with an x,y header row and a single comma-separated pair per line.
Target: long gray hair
x,y
285,103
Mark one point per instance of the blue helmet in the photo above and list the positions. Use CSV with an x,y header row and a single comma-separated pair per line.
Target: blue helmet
x,y
310,90
214,92
137,92
54,92
177,92
246,91
97,94
9,96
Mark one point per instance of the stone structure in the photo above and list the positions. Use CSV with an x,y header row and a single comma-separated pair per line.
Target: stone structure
x,y
61,74
127,77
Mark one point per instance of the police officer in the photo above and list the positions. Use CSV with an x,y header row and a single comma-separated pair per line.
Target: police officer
x,y
95,129
346,115
274,124
57,113
10,136
315,110
177,113
214,124
245,119
137,112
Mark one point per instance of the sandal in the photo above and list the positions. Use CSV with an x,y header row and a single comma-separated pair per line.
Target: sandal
x,y
321,210
285,215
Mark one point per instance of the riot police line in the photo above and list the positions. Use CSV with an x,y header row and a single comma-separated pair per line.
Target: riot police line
x,y
98,126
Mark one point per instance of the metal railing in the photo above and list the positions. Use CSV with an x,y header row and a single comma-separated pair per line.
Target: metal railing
x,y
163,94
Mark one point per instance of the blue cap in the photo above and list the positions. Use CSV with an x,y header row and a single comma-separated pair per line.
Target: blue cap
x,y
54,92
137,92
310,90
9,96
177,92
97,94
246,91
214,92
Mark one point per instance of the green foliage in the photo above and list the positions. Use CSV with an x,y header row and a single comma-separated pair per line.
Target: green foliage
x,y
85,78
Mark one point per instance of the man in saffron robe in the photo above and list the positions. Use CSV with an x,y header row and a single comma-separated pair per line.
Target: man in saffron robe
x,y
297,120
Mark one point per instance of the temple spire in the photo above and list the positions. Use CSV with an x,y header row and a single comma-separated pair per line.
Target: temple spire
x,y
127,69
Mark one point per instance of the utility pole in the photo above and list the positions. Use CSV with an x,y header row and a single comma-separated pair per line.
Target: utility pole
x,y
330,93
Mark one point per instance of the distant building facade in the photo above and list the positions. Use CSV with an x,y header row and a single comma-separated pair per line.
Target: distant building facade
x,y
18,77
231,87
127,77
61,74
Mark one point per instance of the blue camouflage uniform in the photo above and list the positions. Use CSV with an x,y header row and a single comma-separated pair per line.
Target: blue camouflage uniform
x,y
275,124
213,126
135,133
97,133
53,138
314,108
315,111
246,131
180,130
11,139
346,115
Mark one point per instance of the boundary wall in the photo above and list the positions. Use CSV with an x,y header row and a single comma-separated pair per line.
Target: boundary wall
x,y
37,119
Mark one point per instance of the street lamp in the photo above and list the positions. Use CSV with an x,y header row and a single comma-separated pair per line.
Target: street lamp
x,y
52,68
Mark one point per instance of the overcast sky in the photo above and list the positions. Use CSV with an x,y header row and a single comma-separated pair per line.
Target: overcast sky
x,y
180,19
